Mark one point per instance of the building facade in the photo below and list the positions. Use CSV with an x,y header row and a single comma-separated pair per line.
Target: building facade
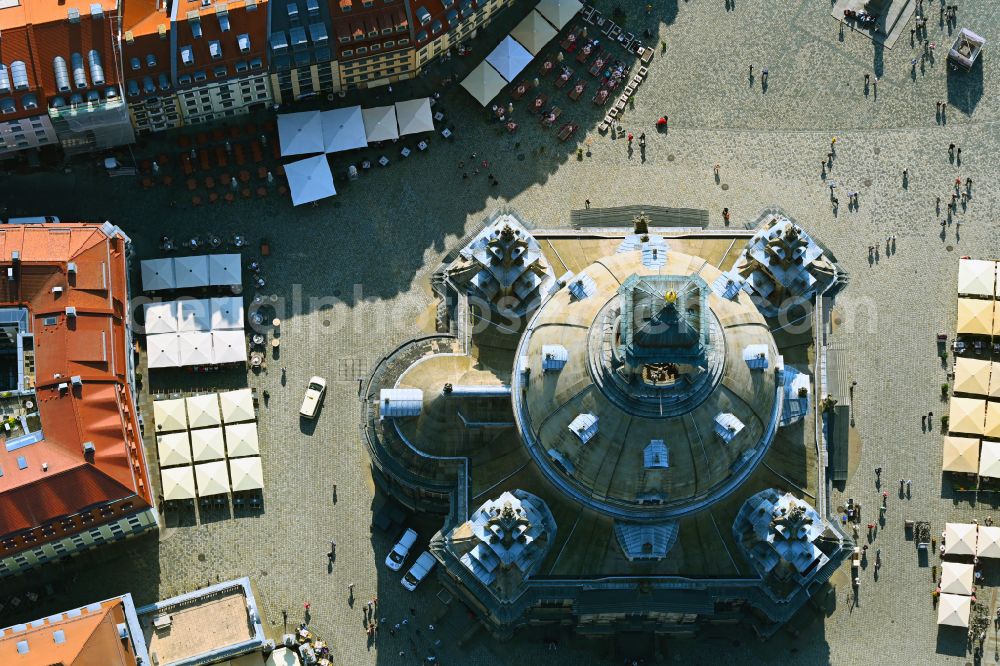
x,y
442,24
146,58
374,42
60,76
218,63
73,474
302,56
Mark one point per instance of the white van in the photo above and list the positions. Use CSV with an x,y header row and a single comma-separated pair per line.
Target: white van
x,y
315,391
423,566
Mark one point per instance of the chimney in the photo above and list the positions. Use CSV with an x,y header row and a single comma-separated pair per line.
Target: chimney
x,y
73,15
70,311
77,380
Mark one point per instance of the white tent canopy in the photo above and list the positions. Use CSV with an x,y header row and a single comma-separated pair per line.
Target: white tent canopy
x,y
207,444
203,410
414,116
195,348
213,478
178,483
989,459
224,270
237,406
380,123
173,449
953,609
160,317
163,350
959,539
956,578
534,32
300,133
228,347
509,58
157,274
194,314
191,271
247,474
310,180
226,313
484,83
988,541
343,129
242,440
976,277
169,415
559,12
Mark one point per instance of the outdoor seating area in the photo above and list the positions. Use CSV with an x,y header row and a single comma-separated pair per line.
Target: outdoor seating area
x,y
965,546
190,272
195,332
208,447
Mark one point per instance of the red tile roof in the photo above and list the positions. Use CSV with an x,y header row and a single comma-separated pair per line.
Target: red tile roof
x,y
93,345
241,21
141,20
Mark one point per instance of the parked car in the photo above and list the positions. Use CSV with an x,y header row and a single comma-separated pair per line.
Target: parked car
x,y
423,566
314,396
399,552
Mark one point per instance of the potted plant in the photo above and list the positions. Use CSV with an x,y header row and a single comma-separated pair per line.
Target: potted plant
x,y
944,422
944,390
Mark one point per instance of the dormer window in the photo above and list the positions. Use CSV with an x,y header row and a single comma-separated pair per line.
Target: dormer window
x,y
244,43
150,60
135,63
196,29
215,48
224,23
187,55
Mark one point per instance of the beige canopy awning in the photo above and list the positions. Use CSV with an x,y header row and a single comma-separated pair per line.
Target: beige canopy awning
x,y
247,473
213,478
961,454
972,375
976,277
992,427
173,449
484,83
953,609
989,459
534,32
959,539
975,316
967,415
988,541
207,444
169,415
956,578
241,440
559,12
237,406
994,391
178,483
203,410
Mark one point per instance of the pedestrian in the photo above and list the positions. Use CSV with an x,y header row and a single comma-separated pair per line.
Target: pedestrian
x,y
878,472
867,77
630,138
405,622
716,168
930,415
833,142
763,76
937,106
959,153
951,146
725,216
909,484
968,183
751,70
333,550
923,421
902,482
906,173
586,203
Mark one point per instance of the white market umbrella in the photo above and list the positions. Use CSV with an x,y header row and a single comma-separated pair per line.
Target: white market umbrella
x,y
203,410
953,609
224,270
484,83
989,459
242,440
169,415
959,539
191,271
226,313
173,449
988,541
195,348
237,406
207,444
300,133
534,32
508,58
414,116
163,350
380,123
228,347
178,483
960,454
310,180
213,478
559,12
976,277
343,129
956,578
157,274
193,314
160,317
247,474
